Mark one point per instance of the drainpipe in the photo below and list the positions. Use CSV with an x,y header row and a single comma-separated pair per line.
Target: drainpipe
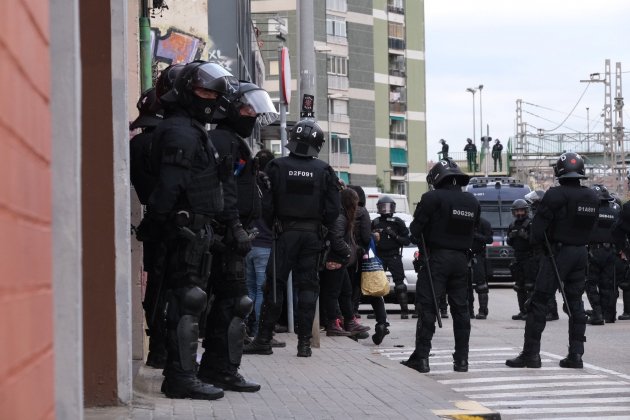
x,y
146,55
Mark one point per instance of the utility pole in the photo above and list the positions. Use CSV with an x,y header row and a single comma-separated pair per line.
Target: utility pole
x,y
622,174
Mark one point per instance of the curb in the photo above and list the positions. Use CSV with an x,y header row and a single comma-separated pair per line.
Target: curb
x,y
468,410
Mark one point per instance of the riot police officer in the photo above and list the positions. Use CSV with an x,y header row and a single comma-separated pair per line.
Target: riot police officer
x,y
143,181
445,218
187,196
563,223
225,325
621,231
393,235
523,268
601,289
478,279
305,201
534,198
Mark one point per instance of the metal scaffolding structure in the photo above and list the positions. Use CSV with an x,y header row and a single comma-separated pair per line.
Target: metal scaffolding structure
x,y
533,154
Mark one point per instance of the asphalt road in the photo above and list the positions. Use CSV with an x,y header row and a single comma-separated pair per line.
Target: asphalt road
x,y
601,390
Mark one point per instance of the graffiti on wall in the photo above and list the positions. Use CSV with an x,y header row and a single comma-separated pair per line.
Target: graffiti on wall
x,y
215,56
175,47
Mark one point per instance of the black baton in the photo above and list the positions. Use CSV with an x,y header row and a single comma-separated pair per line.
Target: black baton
x,y
560,283
426,261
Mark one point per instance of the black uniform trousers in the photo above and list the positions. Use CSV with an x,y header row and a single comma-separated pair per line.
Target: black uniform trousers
x,y
297,251
571,263
479,281
226,287
393,264
600,280
449,270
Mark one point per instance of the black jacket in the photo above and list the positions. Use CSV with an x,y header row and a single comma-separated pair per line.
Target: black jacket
x,y
340,241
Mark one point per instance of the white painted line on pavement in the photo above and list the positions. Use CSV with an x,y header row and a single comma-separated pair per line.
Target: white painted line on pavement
x,y
517,378
538,385
384,350
558,401
589,366
560,410
549,393
625,417
472,369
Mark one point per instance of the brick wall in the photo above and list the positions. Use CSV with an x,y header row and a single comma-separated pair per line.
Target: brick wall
x,y
26,311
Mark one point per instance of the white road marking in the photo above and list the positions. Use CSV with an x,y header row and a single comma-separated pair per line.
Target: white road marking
x,y
558,401
538,385
560,410
518,378
550,393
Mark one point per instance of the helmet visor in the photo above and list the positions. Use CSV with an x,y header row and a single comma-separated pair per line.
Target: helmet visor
x,y
262,105
208,76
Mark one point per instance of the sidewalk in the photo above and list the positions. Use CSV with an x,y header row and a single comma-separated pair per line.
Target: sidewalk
x,y
342,380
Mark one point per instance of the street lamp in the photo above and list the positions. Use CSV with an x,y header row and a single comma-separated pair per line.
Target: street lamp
x,y
480,114
473,91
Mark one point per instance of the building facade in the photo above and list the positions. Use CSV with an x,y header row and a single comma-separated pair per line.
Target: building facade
x,y
370,84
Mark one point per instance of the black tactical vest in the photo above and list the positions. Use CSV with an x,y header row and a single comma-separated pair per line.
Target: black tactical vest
x,y
573,223
608,215
300,192
452,226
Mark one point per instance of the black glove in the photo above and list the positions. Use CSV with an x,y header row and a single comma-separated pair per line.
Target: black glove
x,y
242,242
389,231
149,230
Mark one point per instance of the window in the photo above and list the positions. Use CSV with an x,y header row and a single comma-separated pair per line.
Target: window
x,y
273,68
397,126
338,107
337,5
338,65
396,6
397,65
336,26
339,144
396,30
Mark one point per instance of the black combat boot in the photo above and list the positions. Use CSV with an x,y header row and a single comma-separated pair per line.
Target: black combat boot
x,y
483,306
596,317
525,360
460,364
572,361
304,347
380,331
353,327
624,316
229,380
188,386
421,364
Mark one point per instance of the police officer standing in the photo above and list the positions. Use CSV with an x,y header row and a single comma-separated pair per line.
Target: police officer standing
x,y
563,223
479,281
445,218
496,155
392,236
225,326
305,202
601,289
187,195
143,181
471,155
444,152
621,231
524,267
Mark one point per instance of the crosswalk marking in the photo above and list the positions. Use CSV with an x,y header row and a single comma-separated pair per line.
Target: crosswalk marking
x,y
550,391
518,378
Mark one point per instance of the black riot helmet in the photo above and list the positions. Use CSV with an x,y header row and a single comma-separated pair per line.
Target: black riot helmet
x,y
248,105
446,171
149,110
569,165
602,192
386,205
201,78
520,209
166,79
306,139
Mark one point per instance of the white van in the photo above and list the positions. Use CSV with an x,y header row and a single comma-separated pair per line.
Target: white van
x,y
371,198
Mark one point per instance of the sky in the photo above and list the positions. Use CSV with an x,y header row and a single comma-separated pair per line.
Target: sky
x,y
533,50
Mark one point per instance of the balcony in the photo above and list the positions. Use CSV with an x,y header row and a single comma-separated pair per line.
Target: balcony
x,y
398,136
396,43
398,72
399,107
338,82
337,5
340,118
339,160
395,9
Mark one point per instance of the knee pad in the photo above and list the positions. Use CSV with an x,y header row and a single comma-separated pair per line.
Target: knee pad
x,y
192,300
400,288
481,287
243,306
